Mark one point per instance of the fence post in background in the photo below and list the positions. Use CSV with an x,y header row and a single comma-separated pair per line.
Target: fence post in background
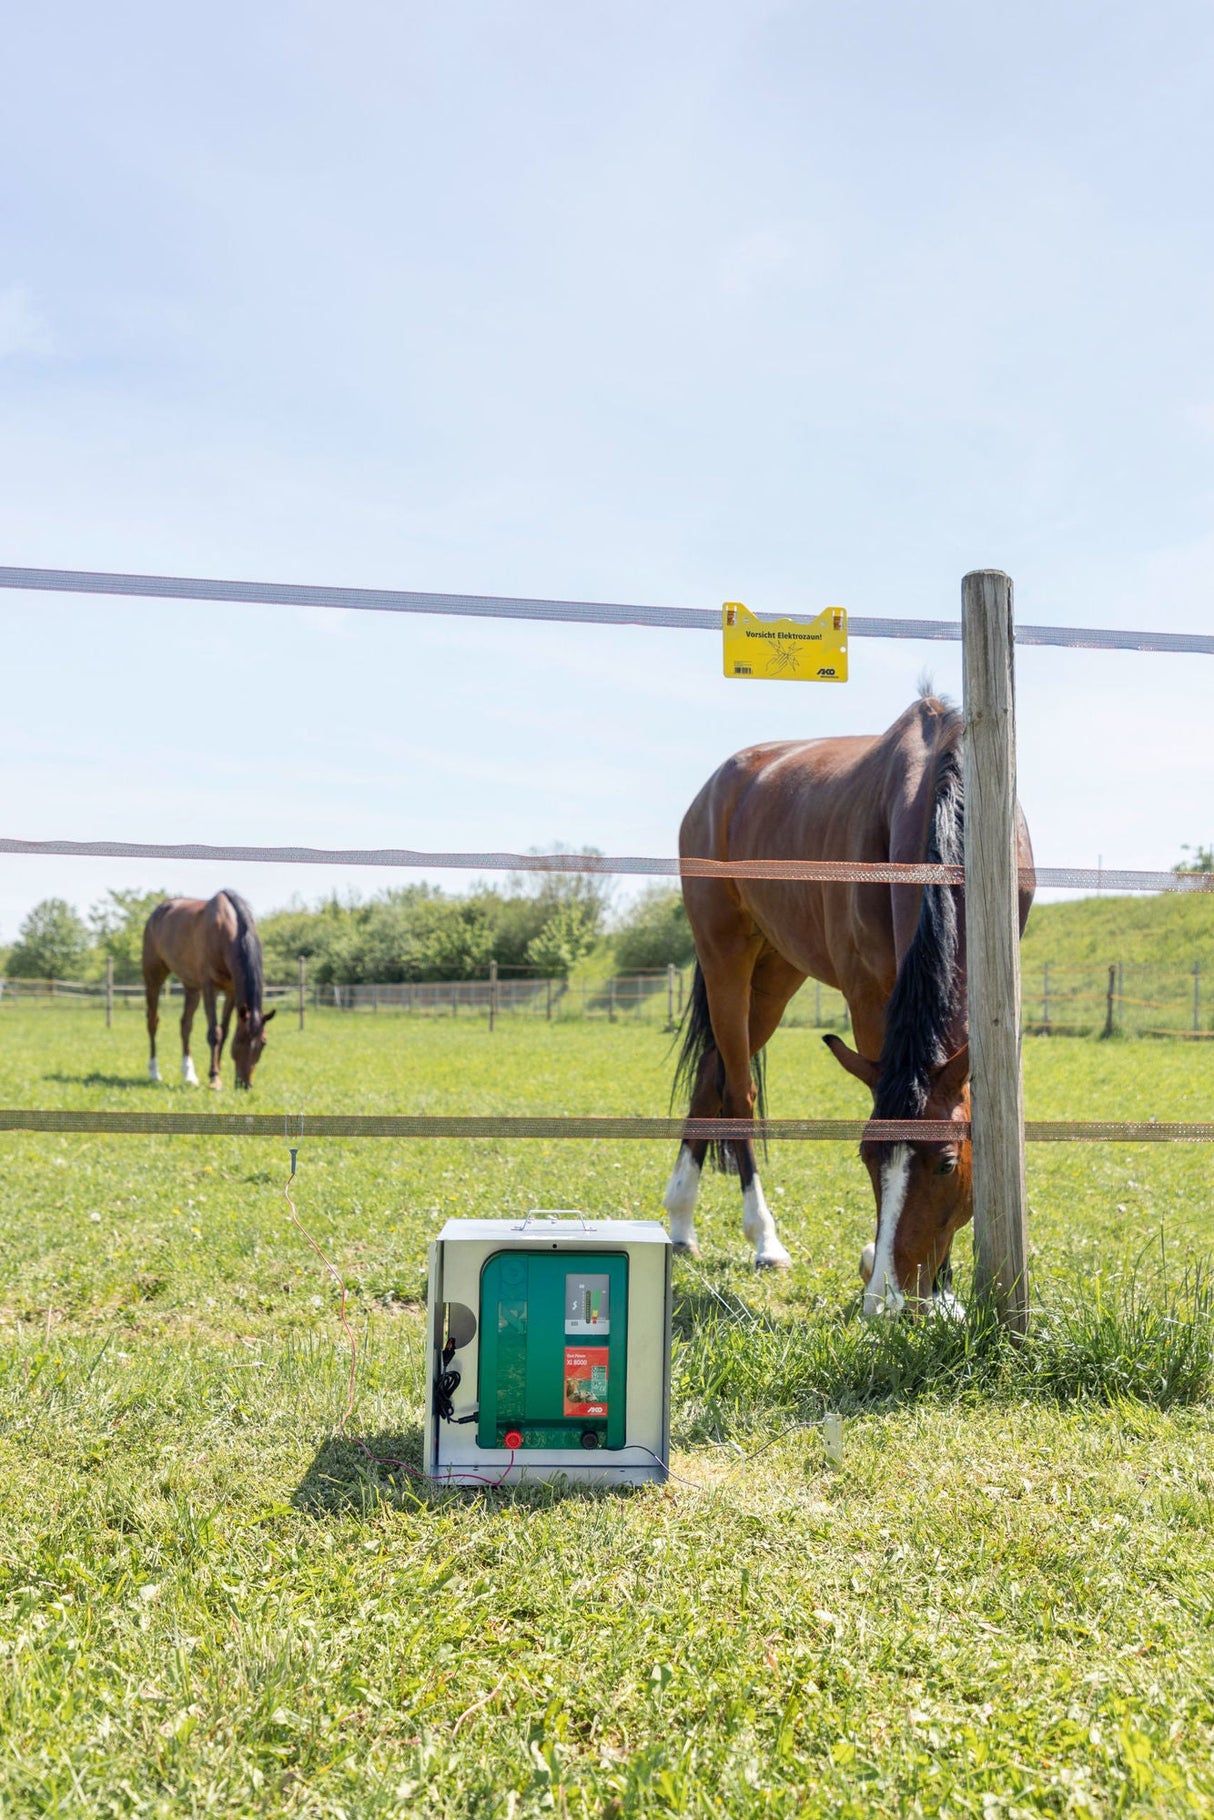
x,y
1196,996
1121,995
109,991
1045,998
817,1004
611,1000
992,927
670,995
492,994
548,1006
303,987
1108,1003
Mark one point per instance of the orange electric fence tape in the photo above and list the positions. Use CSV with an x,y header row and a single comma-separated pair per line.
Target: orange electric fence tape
x,y
821,871
663,1130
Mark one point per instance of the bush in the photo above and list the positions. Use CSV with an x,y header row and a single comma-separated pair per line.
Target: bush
x,y
118,922
51,943
656,934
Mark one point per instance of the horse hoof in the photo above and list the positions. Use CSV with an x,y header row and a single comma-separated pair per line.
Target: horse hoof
x,y
774,1260
683,1249
215,1084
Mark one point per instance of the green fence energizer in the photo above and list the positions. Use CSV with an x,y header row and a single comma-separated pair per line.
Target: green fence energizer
x,y
554,1350
548,1348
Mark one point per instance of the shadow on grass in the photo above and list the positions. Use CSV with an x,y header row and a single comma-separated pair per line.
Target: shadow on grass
x,y
103,1080
356,1475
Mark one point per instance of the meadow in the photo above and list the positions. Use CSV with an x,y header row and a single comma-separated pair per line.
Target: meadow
x,y
999,1602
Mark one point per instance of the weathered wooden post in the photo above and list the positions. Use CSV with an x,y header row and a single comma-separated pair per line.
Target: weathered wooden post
x,y
303,986
109,991
548,1007
1109,1001
992,931
1196,997
611,1000
670,995
492,994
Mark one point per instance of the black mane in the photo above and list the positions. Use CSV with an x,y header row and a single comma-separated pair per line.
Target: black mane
x,y
923,1007
248,947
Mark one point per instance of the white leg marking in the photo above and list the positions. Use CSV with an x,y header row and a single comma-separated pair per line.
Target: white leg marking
x,y
760,1228
187,1071
153,1069
883,1296
868,1258
679,1201
947,1306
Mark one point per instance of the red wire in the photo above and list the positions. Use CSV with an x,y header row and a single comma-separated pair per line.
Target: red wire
x,y
468,1478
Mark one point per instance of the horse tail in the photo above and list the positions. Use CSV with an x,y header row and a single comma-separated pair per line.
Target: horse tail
x,y
248,947
697,1042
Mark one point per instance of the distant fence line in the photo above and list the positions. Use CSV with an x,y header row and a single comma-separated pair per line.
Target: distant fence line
x,y
1121,998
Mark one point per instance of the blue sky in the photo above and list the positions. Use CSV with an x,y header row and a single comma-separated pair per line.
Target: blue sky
x,y
791,304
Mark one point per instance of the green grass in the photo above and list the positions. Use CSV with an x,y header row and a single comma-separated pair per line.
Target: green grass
x,y
1161,932
1001,1602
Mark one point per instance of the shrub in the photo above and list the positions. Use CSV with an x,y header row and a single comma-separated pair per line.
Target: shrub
x,y
51,943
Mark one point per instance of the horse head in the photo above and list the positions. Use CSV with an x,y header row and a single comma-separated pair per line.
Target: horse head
x,y
248,1042
924,1192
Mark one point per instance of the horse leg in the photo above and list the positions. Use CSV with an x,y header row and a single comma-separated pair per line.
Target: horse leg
x,y
154,976
214,1041
187,1018
771,986
727,979
679,1199
223,1033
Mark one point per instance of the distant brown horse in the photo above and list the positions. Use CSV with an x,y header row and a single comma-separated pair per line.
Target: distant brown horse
x,y
896,953
212,947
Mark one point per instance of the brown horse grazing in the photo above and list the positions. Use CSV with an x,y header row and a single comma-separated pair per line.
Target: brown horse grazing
x,y
212,947
897,954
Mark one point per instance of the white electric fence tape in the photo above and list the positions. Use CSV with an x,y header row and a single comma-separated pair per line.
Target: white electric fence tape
x,y
579,612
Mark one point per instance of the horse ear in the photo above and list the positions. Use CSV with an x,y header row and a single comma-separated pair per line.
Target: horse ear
x,y
856,1064
269,1015
950,1079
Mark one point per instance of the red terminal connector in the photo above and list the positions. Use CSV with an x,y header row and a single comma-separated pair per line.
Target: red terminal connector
x,y
512,1439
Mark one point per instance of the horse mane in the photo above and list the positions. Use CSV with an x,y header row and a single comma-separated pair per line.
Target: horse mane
x,y
248,947
923,1006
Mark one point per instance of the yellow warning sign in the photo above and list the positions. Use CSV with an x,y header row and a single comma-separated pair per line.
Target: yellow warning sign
x,y
785,650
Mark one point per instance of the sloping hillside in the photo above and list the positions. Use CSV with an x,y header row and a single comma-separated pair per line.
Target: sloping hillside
x,y
1168,932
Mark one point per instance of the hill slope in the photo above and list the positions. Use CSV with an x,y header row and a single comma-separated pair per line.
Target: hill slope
x,y
1164,931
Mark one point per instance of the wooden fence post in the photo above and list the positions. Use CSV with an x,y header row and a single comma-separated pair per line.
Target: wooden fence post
x,y
548,1008
670,995
992,929
1109,1002
1045,998
1196,996
109,991
492,994
611,1001
303,987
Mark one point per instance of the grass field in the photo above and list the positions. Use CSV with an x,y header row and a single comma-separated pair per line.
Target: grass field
x,y
1000,1603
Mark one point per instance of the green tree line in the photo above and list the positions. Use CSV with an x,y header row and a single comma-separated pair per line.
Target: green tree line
x,y
543,925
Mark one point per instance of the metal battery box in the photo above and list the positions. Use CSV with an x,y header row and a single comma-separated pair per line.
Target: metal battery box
x,y
548,1350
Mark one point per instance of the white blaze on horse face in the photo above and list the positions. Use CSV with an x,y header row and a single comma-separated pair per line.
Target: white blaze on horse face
x,y
883,1296
679,1200
760,1228
187,1071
